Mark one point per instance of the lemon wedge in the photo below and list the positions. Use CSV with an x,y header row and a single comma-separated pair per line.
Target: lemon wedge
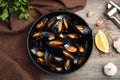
x,y
101,42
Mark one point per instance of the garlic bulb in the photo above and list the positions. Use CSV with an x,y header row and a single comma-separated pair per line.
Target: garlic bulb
x,y
116,45
110,69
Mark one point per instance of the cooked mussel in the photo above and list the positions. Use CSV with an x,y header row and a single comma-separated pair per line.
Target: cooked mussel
x,y
79,27
67,54
40,60
41,23
83,29
70,48
51,22
65,23
58,69
37,34
57,27
72,36
40,53
62,35
37,52
60,25
56,43
81,49
50,36
78,60
67,64
58,61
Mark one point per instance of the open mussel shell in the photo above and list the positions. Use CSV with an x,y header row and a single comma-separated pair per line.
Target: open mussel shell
x,y
78,60
57,27
65,23
51,22
58,69
37,52
81,49
67,64
39,37
42,23
72,36
83,29
37,34
45,35
70,48
40,53
62,35
40,60
50,36
57,43
67,54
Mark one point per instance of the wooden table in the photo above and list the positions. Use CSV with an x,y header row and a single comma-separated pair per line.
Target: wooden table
x,y
92,70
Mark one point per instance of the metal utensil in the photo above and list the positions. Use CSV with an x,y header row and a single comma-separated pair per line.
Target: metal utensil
x,y
113,10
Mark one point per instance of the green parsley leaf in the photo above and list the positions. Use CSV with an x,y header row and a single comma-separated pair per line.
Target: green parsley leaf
x,y
4,14
18,7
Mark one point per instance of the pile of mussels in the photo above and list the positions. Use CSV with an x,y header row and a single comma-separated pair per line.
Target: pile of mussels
x,y
58,43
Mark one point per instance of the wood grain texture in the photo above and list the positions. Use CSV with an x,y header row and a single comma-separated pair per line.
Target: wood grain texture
x,y
92,70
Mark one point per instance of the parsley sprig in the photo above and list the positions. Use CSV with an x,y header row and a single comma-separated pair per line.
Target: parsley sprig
x,y
14,6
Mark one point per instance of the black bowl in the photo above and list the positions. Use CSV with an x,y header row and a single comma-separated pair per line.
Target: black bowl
x,y
86,41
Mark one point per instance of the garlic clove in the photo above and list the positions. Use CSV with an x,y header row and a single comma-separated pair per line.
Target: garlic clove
x,y
110,69
116,45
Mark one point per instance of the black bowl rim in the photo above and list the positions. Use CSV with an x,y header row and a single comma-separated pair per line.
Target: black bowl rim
x,y
28,37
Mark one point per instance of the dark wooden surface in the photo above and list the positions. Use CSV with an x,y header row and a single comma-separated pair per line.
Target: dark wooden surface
x,y
92,70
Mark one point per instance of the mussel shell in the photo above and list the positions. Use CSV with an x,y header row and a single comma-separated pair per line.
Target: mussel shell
x,y
57,27
70,48
50,36
81,49
43,35
37,34
40,60
61,17
78,60
67,64
42,23
59,59
34,50
58,69
57,43
40,53
51,22
60,26
47,56
83,29
72,36
37,44
67,54
65,23
62,36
